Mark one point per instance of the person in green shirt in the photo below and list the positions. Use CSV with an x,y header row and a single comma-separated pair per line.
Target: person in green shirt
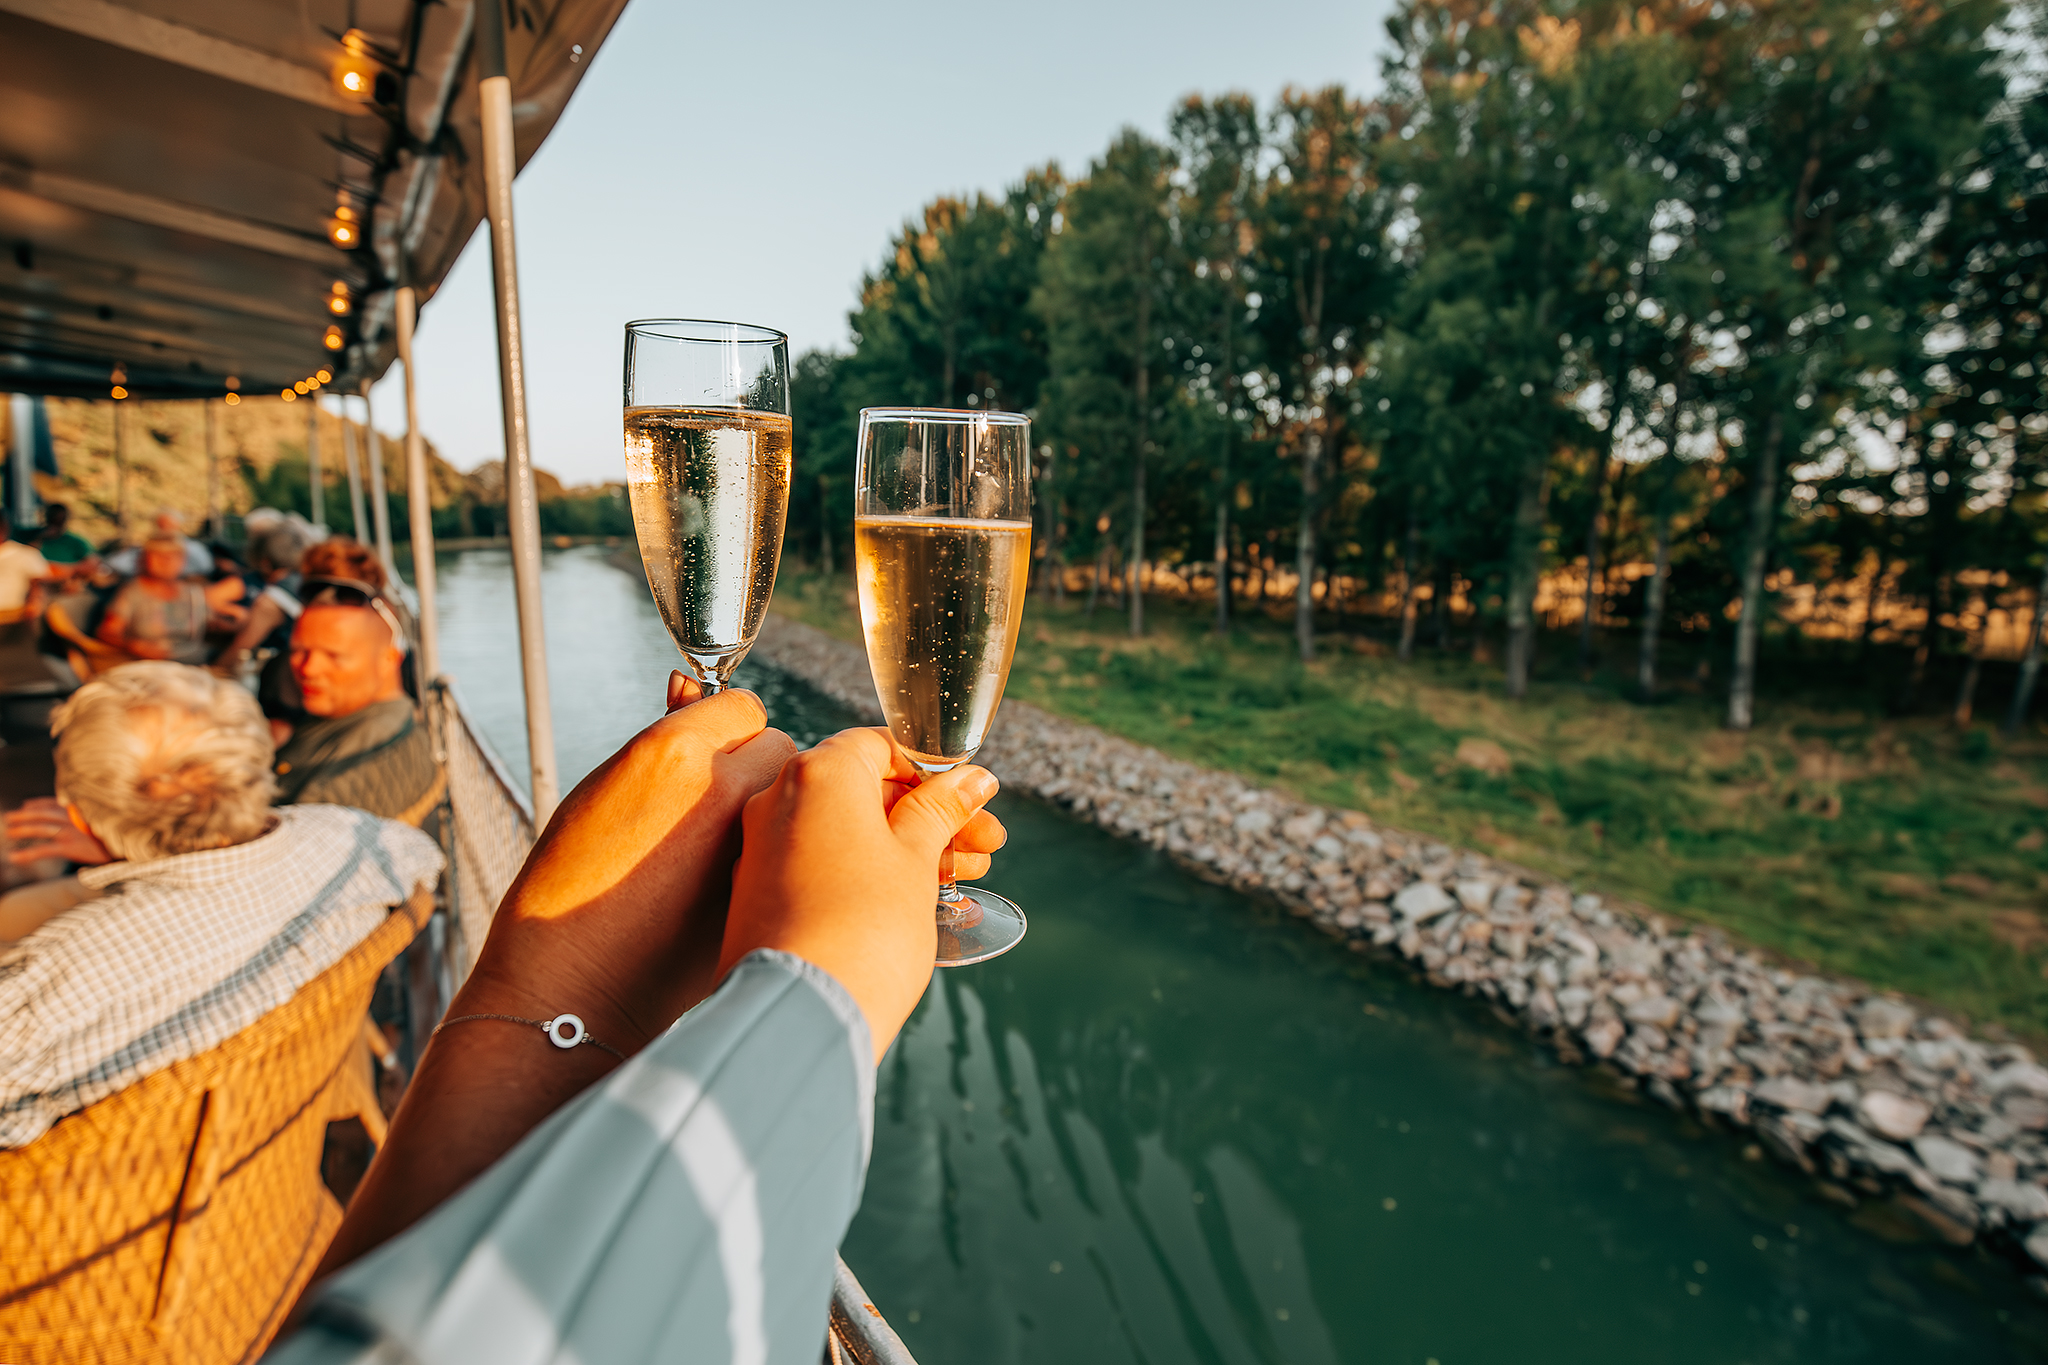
x,y
62,547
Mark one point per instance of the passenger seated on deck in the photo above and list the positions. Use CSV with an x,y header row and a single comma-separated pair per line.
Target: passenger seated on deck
x,y
198,560
23,574
215,910
277,544
359,743
526,1205
161,614
66,551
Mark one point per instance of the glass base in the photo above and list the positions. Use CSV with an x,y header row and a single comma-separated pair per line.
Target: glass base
x,y
979,926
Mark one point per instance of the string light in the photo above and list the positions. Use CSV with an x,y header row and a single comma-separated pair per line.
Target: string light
x,y
355,75
289,396
302,387
235,398
334,339
120,392
323,376
342,228
338,301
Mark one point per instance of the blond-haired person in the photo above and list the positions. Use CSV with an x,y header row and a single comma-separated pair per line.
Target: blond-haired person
x,y
215,909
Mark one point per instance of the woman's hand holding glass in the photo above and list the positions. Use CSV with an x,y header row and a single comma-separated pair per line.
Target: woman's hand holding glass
x,y
841,864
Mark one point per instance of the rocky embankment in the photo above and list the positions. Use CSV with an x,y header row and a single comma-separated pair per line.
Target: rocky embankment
x,y
1863,1091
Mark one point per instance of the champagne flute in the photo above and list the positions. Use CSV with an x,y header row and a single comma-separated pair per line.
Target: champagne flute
x,y
942,555
707,470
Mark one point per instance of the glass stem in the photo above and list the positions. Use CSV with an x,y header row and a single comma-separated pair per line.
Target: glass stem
x,y
954,904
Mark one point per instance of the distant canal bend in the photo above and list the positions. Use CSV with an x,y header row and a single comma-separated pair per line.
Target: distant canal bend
x,y
1175,1126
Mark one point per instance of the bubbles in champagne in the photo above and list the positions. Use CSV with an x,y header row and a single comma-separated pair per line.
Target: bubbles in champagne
x,y
940,602
710,489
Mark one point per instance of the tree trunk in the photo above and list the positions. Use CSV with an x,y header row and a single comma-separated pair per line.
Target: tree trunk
x,y
1763,512
2030,662
1593,530
1410,546
1653,609
1305,548
1052,522
1144,377
1095,579
1523,572
1870,608
1223,465
1966,695
1440,604
825,529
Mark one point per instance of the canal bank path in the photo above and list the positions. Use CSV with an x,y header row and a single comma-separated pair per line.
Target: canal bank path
x,y
1872,1097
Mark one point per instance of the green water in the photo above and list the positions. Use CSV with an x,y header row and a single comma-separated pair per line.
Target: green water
x,y
1175,1126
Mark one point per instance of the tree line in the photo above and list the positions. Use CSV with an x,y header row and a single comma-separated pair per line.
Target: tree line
x,y
1746,291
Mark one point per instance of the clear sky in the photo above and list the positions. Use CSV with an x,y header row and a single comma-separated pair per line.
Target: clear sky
x,y
747,162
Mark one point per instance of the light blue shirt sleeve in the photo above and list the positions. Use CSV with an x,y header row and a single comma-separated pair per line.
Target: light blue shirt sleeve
x,y
688,1207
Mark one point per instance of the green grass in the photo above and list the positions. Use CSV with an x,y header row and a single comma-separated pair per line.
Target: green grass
x,y
1904,852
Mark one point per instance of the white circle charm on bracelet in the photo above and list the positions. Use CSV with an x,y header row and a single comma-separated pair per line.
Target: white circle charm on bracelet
x,y
565,1030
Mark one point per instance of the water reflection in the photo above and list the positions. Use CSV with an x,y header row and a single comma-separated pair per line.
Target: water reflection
x,y
1175,1127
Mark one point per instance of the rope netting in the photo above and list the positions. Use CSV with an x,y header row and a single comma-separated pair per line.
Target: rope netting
x,y
489,830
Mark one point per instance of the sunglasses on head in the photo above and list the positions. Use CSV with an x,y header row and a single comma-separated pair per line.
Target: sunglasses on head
x,y
323,591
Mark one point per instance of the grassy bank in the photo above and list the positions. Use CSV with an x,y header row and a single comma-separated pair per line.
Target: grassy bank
x,y
1904,852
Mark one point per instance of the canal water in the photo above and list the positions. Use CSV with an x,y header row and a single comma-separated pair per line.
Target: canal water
x,y
1175,1126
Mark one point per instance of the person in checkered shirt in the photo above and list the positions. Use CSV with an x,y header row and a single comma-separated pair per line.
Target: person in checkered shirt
x,y
213,909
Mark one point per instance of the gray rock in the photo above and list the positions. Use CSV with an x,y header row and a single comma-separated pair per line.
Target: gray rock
x,y
1253,823
1573,1002
1898,1117
1725,1099
1660,1010
1474,894
2037,1245
1948,1159
1303,828
1603,1036
1881,1018
1789,1092
1421,901
2024,1077
2025,1201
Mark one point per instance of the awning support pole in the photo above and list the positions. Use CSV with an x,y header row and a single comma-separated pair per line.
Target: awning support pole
x,y
418,500
380,505
213,526
522,508
120,471
313,470
22,455
349,442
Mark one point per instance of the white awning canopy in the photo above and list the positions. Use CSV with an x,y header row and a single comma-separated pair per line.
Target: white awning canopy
x,y
175,176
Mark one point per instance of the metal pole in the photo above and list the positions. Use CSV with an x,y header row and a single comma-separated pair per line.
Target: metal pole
x,y
380,506
419,507
22,453
120,474
355,475
213,526
522,508
314,474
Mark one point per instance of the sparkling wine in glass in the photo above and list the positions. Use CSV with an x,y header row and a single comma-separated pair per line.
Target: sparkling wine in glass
x,y
707,470
942,557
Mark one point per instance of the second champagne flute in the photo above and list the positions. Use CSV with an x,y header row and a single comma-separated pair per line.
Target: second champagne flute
x,y
942,556
707,469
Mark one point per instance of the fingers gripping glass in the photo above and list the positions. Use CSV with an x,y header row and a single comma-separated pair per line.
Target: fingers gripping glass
x,y
942,552
707,469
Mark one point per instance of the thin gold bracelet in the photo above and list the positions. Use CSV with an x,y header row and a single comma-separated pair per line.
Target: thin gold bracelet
x,y
564,1030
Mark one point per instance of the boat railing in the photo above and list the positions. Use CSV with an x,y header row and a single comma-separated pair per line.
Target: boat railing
x,y
486,833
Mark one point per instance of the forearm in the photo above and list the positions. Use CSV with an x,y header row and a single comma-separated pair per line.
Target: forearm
x,y
478,1089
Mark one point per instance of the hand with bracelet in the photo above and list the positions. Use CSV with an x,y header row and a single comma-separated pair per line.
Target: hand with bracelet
x,y
620,915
